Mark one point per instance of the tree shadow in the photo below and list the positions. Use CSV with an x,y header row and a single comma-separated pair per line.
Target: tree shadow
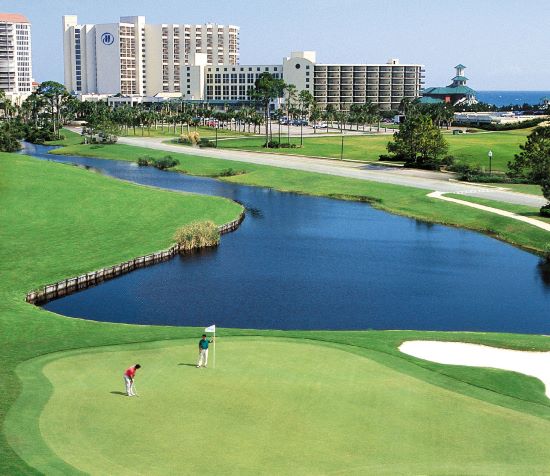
x,y
118,393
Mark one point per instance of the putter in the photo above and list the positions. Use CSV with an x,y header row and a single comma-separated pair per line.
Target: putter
x,y
134,389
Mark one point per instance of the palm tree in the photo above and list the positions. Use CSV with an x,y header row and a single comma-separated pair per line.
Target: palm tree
x,y
306,100
290,97
315,114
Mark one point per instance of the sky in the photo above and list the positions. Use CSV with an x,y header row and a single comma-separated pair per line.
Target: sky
x,y
503,43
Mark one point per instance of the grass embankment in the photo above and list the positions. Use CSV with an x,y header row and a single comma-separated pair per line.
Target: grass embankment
x,y
57,220
468,148
393,198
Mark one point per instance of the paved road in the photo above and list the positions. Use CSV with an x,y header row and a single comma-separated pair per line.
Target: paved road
x,y
393,175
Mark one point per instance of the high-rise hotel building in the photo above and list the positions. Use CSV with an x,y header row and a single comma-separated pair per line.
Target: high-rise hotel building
x,y
340,85
134,58
15,54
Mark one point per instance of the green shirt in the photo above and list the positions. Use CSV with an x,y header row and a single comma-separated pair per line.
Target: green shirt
x,y
203,343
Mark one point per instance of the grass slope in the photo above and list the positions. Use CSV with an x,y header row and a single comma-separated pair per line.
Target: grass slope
x,y
468,148
270,408
393,198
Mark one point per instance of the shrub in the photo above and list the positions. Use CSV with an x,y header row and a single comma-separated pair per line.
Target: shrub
x,y
545,212
38,135
8,141
144,161
183,139
165,163
162,164
448,161
512,125
424,163
207,143
194,137
230,172
197,235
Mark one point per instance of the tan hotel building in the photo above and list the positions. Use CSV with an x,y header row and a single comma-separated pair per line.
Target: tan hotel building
x,y
134,58
201,63
384,84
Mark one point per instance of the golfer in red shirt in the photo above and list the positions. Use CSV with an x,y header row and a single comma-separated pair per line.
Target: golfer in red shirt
x,y
129,376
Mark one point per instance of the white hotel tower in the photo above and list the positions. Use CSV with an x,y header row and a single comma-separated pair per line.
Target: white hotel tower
x,y
133,58
15,54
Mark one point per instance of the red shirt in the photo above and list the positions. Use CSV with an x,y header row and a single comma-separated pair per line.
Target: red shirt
x,y
130,372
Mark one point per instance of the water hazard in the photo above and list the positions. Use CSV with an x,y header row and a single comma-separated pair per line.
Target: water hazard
x,y
300,262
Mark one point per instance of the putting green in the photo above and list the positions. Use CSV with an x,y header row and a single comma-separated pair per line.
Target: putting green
x,y
272,406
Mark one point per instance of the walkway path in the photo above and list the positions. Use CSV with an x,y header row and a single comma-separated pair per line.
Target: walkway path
x,y
397,176
497,211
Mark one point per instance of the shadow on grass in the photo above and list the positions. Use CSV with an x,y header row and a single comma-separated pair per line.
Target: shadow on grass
x,y
188,365
119,393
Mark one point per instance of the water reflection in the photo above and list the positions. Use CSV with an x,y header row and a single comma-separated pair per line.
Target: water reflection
x,y
543,268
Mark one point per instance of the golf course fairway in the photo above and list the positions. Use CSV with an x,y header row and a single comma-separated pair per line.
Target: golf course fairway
x,y
271,406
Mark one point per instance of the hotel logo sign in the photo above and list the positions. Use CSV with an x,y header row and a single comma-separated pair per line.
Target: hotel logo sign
x,y
107,39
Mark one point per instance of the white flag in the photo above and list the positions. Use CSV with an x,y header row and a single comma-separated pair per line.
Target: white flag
x,y
211,328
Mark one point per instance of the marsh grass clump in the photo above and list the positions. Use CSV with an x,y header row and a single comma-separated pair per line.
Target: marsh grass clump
x,y
164,163
197,235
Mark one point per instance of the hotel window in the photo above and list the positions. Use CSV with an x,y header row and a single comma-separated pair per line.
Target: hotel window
x,y
233,90
226,90
233,78
242,77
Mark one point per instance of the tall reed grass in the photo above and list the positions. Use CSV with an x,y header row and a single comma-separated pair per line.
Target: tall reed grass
x,y
196,235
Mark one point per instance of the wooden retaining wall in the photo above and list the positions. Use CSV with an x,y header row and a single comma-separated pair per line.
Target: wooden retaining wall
x,y
83,281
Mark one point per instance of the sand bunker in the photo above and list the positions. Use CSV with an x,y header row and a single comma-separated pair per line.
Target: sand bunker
x,y
534,364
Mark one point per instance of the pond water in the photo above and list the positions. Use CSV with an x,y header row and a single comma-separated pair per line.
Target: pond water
x,y
300,262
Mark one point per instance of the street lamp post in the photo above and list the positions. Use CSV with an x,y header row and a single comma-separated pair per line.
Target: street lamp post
x,y
342,147
490,154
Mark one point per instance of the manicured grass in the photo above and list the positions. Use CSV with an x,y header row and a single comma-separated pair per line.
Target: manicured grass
x,y
168,132
269,407
57,220
521,188
523,210
396,199
468,148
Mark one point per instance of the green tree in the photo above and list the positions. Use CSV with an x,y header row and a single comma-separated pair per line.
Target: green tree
x,y
55,97
533,162
418,142
306,100
9,138
266,89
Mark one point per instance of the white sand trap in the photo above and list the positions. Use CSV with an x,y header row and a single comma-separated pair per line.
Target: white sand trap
x,y
534,364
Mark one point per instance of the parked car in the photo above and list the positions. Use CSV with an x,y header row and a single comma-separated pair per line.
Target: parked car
x,y
320,125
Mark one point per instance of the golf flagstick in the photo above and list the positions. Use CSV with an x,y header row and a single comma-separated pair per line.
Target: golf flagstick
x,y
212,328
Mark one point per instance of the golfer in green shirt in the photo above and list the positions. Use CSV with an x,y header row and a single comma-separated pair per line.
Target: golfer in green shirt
x,y
203,351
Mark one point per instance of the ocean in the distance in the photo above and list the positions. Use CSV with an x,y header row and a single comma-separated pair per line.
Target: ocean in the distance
x,y
505,98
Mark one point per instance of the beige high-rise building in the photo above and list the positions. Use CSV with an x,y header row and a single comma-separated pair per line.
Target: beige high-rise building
x,y
339,85
15,54
134,58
